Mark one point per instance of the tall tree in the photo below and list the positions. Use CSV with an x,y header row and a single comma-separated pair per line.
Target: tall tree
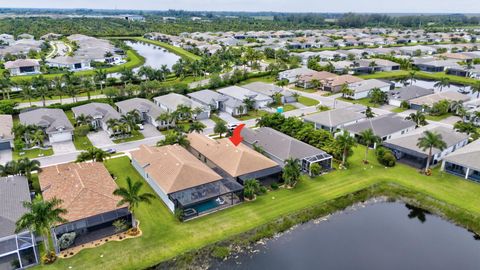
x,y
368,138
443,82
132,195
345,142
41,215
428,141
417,117
291,172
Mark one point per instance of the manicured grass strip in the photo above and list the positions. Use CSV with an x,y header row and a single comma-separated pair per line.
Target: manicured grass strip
x,y
82,142
399,110
164,238
136,135
306,101
397,74
363,101
252,115
32,153
438,117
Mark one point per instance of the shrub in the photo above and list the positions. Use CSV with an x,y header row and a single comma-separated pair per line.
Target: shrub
x,y
66,240
49,258
220,252
18,144
385,157
405,105
120,225
82,130
315,169
274,186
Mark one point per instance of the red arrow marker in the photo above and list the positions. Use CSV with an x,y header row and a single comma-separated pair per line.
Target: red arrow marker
x,y
236,138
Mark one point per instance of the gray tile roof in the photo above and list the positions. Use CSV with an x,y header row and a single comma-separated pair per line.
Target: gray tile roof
x,y
381,126
468,156
333,118
280,145
267,89
13,192
240,93
173,100
367,85
53,120
207,97
141,105
429,100
97,110
409,92
409,141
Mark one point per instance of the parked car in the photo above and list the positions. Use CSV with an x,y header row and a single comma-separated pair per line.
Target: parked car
x,y
140,126
232,126
111,151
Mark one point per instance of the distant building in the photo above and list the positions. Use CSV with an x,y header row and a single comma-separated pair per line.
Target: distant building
x,y
23,67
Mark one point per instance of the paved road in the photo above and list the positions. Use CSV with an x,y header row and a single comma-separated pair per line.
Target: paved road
x,y
65,100
124,147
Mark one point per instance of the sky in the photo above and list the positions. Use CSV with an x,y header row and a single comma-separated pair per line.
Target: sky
x,y
386,6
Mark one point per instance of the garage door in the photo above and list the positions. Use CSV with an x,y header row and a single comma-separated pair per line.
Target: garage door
x,y
60,137
4,145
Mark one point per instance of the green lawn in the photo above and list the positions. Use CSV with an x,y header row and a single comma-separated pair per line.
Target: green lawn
x,y
363,101
306,101
252,115
136,135
399,110
164,237
397,74
265,79
33,153
308,90
288,107
438,117
82,143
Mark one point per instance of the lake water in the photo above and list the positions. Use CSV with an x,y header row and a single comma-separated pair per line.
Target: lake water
x,y
155,56
379,236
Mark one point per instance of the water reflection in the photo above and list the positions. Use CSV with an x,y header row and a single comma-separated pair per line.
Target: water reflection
x,y
416,212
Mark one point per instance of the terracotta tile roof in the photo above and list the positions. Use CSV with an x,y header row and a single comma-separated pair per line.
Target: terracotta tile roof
x,y
343,79
173,168
235,160
86,189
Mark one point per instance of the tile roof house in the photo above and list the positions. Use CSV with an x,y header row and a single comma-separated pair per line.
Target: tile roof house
x,y
292,74
23,67
388,126
100,112
181,180
170,103
280,147
307,80
428,100
217,101
240,94
406,150
270,90
148,111
332,120
53,121
86,191
238,163
464,162
6,135
362,89
17,250
397,96
335,84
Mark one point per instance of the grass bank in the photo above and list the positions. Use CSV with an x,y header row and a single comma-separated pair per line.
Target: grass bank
x,y
165,238
176,50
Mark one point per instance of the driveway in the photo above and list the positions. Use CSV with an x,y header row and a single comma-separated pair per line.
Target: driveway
x,y
60,148
451,120
228,118
5,156
100,139
150,131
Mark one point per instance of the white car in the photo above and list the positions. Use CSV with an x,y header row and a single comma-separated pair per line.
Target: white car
x,y
231,127
140,126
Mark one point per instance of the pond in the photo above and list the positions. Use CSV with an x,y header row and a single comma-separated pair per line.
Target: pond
x,y
430,85
155,56
378,236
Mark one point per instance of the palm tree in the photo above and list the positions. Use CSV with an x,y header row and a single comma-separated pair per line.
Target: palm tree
x,y
346,91
345,142
249,103
220,128
114,125
417,117
196,126
291,171
250,188
165,117
132,196
476,88
58,88
196,112
368,138
184,112
100,77
444,82
38,137
430,140
27,166
456,106
88,85
132,118
40,217
84,120
411,75
369,113
27,91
